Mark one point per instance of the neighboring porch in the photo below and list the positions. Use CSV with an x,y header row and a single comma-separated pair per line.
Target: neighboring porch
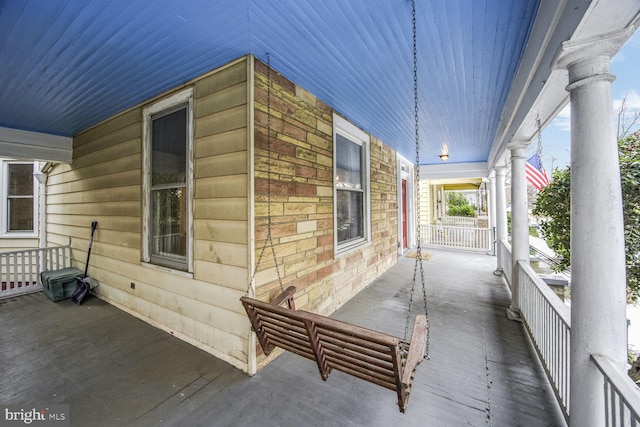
x,y
443,227
115,370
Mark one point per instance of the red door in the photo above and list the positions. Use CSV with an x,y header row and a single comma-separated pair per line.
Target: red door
x,y
404,214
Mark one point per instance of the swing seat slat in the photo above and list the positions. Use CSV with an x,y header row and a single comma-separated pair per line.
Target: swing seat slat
x,y
370,355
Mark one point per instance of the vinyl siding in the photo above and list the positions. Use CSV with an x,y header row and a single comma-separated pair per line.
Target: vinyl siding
x,y
8,244
104,183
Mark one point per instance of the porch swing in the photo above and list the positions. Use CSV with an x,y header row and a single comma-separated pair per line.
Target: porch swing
x,y
373,356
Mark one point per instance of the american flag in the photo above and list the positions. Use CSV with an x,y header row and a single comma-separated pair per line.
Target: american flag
x,y
536,174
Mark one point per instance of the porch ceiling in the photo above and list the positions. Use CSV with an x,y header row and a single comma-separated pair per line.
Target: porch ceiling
x,y
65,66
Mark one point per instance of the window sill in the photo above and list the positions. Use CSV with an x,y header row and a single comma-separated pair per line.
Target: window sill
x,y
352,247
167,270
18,236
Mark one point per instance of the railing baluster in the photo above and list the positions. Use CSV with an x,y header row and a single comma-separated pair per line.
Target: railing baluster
x,y
12,267
614,413
3,264
556,346
16,271
22,269
607,404
565,364
30,267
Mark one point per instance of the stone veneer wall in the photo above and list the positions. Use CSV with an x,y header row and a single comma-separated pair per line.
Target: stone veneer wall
x,y
302,201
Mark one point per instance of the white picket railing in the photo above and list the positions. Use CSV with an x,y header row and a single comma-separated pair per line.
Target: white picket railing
x,y
20,270
504,252
621,395
548,322
466,238
459,221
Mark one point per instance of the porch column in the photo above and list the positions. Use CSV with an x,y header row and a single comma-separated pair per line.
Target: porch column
x,y
519,223
434,192
598,291
501,214
492,212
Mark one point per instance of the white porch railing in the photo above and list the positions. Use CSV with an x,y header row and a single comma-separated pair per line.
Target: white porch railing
x,y
621,395
459,221
20,270
475,239
547,321
504,252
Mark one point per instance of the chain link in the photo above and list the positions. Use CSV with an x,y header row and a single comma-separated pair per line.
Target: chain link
x,y
539,126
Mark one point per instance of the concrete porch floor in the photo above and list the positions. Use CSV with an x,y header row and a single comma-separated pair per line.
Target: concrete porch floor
x,y
113,369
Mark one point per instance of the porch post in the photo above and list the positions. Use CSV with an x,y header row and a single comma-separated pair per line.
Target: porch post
x,y
519,223
598,291
501,214
492,212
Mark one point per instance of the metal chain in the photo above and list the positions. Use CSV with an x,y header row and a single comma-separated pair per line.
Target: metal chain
x,y
418,266
269,221
268,241
539,126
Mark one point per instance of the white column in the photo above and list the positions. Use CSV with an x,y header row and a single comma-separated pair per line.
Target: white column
x,y
598,291
492,211
41,177
519,223
501,213
434,204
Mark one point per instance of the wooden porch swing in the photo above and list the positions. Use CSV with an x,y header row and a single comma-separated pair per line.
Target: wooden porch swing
x,y
379,358
373,356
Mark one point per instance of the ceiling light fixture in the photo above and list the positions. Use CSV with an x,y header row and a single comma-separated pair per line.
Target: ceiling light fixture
x,y
444,157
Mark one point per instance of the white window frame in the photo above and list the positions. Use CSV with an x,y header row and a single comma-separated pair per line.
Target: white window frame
x,y
6,233
351,132
184,97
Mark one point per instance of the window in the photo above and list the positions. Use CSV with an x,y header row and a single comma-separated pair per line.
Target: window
x,y
351,165
19,199
167,182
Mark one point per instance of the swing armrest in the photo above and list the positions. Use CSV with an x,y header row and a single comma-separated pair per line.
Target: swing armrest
x,y
286,295
416,349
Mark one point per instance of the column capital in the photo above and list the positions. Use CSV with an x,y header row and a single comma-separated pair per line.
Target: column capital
x,y
600,45
517,149
501,170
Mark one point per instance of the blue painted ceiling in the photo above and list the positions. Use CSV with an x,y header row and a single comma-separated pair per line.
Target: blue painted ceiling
x,y
68,64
